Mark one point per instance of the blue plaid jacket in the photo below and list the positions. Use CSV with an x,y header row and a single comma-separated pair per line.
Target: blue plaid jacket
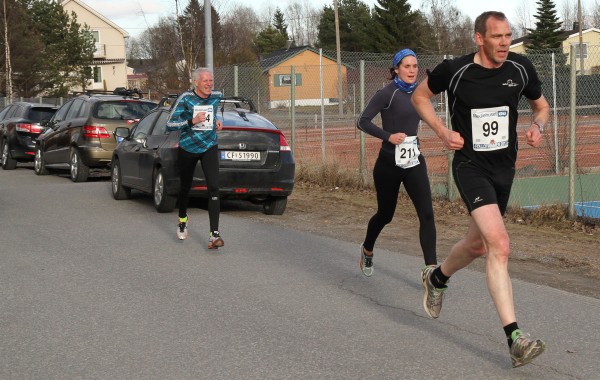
x,y
181,116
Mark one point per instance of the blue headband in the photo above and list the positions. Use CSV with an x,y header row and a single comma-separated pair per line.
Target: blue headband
x,y
400,55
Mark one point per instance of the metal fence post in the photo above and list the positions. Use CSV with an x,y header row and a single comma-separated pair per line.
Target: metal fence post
x,y
572,135
363,164
322,106
235,81
293,106
555,118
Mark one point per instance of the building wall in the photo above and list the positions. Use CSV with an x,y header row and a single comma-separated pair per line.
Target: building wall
x,y
110,56
306,65
590,37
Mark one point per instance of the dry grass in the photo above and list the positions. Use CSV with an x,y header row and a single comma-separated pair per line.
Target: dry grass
x,y
332,175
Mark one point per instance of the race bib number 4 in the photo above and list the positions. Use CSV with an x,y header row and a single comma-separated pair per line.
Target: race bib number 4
x,y
407,153
206,125
490,128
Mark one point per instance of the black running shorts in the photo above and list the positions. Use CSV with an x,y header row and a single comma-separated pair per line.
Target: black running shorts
x,y
478,187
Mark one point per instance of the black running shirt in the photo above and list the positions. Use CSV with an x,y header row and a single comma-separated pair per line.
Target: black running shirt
x,y
483,105
397,115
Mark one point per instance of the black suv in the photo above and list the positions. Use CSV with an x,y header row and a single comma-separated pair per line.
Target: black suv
x,y
80,134
19,128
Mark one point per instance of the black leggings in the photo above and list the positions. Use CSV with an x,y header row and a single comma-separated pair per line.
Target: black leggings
x,y
210,167
388,177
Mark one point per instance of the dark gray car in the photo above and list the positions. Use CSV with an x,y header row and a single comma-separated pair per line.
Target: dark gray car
x,y
256,163
20,125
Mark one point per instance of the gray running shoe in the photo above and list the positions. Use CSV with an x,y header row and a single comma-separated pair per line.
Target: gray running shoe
x,y
366,263
215,240
432,299
524,350
182,231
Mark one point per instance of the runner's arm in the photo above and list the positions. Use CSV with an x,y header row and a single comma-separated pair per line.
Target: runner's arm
x,y
541,114
421,99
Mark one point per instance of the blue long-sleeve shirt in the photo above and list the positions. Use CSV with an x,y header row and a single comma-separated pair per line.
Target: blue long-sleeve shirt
x,y
193,140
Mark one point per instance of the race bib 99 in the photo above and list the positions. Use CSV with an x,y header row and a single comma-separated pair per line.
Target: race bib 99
x,y
490,128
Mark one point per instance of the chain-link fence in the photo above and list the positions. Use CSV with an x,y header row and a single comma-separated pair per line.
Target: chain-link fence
x,y
316,103
322,129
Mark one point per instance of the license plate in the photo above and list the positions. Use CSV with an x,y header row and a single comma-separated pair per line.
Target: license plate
x,y
240,156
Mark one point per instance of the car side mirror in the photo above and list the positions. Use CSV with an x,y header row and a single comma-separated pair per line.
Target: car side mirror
x,y
121,133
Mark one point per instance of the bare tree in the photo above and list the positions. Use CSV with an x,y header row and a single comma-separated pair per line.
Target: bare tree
x,y
595,15
453,30
242,23
568,14
8,67
303,21
523,19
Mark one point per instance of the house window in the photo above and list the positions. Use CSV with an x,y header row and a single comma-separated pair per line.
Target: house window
x,y
282,80
579,51
97,71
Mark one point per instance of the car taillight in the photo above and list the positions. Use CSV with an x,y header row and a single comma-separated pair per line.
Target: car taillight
x,y
283,145
29,128
91,131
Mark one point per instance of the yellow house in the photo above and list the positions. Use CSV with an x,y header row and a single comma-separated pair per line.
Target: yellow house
x,y
309,74
110,66
590,43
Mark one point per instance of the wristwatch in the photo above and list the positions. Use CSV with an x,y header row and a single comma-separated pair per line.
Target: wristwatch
x,y
540,126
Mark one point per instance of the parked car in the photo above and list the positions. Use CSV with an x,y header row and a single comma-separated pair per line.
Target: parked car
x,y
80,134
256,162
20,125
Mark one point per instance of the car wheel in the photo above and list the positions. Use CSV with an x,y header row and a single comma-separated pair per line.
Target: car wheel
x,y
162,201
79,171
275,205
118,190
8,163
39,166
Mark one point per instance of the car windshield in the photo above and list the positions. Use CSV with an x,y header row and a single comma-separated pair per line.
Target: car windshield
x,y
36,115
122,110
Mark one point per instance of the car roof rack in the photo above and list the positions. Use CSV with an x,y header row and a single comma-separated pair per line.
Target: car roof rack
x,y
239,99
169,101
125,92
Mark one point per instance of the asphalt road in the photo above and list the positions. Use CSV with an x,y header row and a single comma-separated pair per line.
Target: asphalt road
x,y
93,288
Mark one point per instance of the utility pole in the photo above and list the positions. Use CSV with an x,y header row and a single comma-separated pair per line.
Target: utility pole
x,y
8,66
208,43
339,59
579,22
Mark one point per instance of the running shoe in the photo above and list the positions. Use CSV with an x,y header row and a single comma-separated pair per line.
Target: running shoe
x,y
432,299
215,240
524,350
182,231
366,262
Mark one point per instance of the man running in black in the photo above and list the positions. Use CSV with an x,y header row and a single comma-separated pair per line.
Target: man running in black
x,y
484,89
399,161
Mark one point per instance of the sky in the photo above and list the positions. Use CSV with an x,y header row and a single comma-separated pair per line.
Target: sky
x,y
135,16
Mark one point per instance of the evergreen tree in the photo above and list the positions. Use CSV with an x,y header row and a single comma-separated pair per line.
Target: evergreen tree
x,y
279,23
354,20
395,25
268,40
273,37
193,36
547,34
50,50
545,38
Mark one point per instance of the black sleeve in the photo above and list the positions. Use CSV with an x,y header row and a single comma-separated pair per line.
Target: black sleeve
x,y
378,102
438,80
